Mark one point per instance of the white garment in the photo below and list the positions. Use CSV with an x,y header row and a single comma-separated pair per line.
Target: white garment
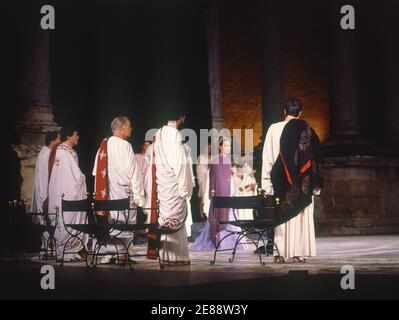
x,y
174,187
124,176
40,189
143,163
203,181
248,179
148,184
66,178
189,219
296,237
202,173
40,181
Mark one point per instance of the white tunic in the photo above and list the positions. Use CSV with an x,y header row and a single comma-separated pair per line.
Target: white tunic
x,y
244,190
174,187
40,189
295,238
203,181
40,182
189,219
148,184
143,163
124,177
66,178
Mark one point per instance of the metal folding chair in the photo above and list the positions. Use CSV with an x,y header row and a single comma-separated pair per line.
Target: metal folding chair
x,y
261,228
151,228
47,224
107,232
76,230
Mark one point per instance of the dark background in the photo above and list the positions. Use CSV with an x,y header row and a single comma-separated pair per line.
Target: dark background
x,y
109,58
140,58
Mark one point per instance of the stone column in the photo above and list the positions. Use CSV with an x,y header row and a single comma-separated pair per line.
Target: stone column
x,y
212,35
272,67
391,61
346,131
361,189
36,112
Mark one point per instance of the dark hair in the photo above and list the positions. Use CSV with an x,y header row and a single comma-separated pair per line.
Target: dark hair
x,y
175,111
223,139
293,107
67,132
51,136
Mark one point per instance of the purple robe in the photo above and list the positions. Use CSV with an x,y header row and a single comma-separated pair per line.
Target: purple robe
x,y
220,181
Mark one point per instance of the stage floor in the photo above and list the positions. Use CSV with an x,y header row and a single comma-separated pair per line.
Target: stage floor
x,y
375,260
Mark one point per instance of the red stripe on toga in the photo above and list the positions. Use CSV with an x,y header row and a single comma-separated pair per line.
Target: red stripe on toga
x,y
152,237
102,187
286,169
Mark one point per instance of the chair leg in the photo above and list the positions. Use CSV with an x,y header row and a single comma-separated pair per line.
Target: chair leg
x,y
241,236
158,249
70,238
127,256
96,252
217,247
260,253
63,251
117,251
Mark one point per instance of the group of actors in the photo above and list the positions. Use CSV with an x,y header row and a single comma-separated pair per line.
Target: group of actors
x,y
162,176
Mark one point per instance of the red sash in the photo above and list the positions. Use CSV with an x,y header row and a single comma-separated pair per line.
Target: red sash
x,y
152,237
101,187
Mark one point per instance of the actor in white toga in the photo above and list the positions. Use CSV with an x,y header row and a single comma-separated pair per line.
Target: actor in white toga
x,y
118,176
174,187
189,219
295,238
67,179
41,181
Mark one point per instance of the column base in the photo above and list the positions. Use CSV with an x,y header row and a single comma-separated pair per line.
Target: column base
x,y
217,123
32,128
360,196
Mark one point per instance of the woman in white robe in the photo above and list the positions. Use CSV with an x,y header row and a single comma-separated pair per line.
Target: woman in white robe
x,y
203,163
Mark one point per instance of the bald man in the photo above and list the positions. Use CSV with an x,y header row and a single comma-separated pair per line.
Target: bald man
x,y
118,176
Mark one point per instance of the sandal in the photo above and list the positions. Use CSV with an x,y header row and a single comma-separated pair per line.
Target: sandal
x,y
176,263
123,261
298,260
279,259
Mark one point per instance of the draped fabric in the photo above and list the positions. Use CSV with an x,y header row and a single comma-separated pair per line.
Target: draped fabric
x,y
51,160
68,180
219,182
40,183
297,171
174,185
152,237
101,184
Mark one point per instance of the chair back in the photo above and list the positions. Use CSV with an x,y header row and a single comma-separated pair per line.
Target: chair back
x,y
111,205
249,202
75,205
